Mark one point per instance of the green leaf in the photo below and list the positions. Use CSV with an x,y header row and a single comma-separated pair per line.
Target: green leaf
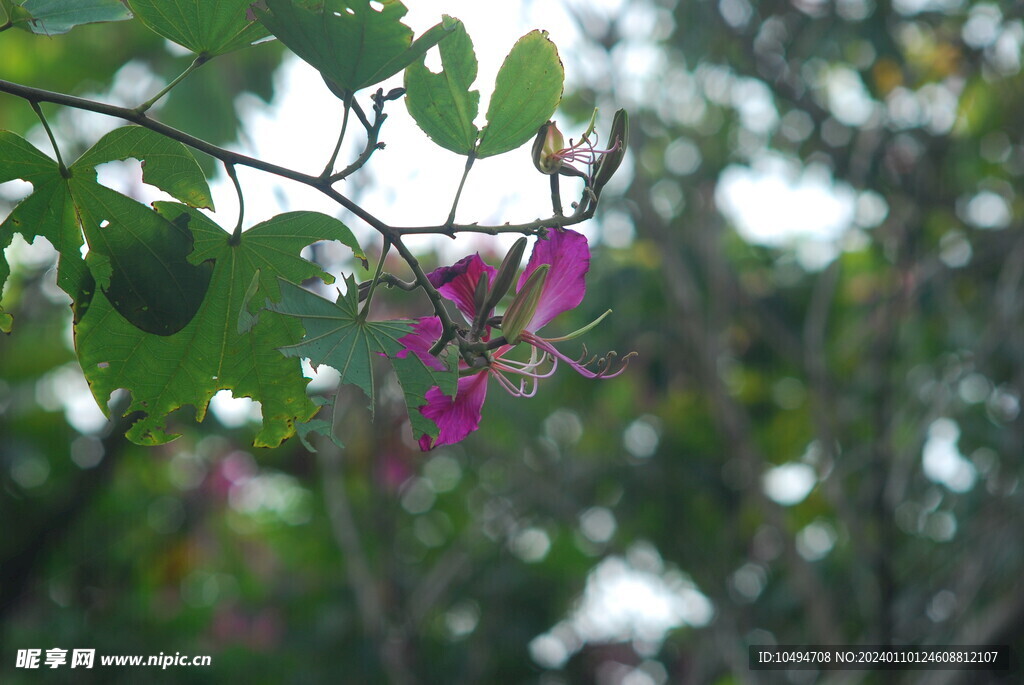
x,y
6,320
140,260
136,257
48,212
51,17
349,42
318,426
247,318
526,92
338,336
206,27
163,373
134,251
442,104
166,164
21,159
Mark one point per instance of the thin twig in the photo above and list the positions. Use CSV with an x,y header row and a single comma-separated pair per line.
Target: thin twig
x,y
236,235
584,210
372,144
199,61
448,327
341,137
39,95
470,158
53,141
556,195
376,279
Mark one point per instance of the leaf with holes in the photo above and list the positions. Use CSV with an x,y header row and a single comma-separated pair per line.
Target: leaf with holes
x,y
164,373
62,206
47,212
442,104
139,260
166,164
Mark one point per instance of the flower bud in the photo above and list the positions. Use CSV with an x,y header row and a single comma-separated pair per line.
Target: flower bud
x,y
610,161
506,273
479,302
546,146
524,306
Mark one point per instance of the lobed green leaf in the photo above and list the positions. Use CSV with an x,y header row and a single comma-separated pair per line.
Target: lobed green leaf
x,y
140,259
337,335
164,373
134,252
49,212
166,164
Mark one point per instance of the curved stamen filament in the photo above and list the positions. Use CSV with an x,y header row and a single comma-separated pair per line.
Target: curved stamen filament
x,y
527,371
532,364
532,392
604,364
511,389
584,151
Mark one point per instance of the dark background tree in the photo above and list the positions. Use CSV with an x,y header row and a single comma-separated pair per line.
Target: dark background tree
x,y
890,376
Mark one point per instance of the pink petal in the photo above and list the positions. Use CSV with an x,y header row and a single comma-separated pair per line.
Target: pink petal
x,y
425,332
569,256
458,282
455,417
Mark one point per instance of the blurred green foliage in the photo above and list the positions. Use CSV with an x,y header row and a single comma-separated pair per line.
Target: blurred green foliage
x,y
891,373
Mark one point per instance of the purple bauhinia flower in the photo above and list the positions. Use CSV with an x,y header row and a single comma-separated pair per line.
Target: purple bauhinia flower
x,y
565,257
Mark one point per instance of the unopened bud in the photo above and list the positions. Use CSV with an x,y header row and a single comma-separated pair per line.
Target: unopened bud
x,y
546,146
610,161
524,306
479,302
506,273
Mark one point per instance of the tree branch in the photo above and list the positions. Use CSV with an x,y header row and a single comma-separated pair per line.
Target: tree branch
x,y
228,156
